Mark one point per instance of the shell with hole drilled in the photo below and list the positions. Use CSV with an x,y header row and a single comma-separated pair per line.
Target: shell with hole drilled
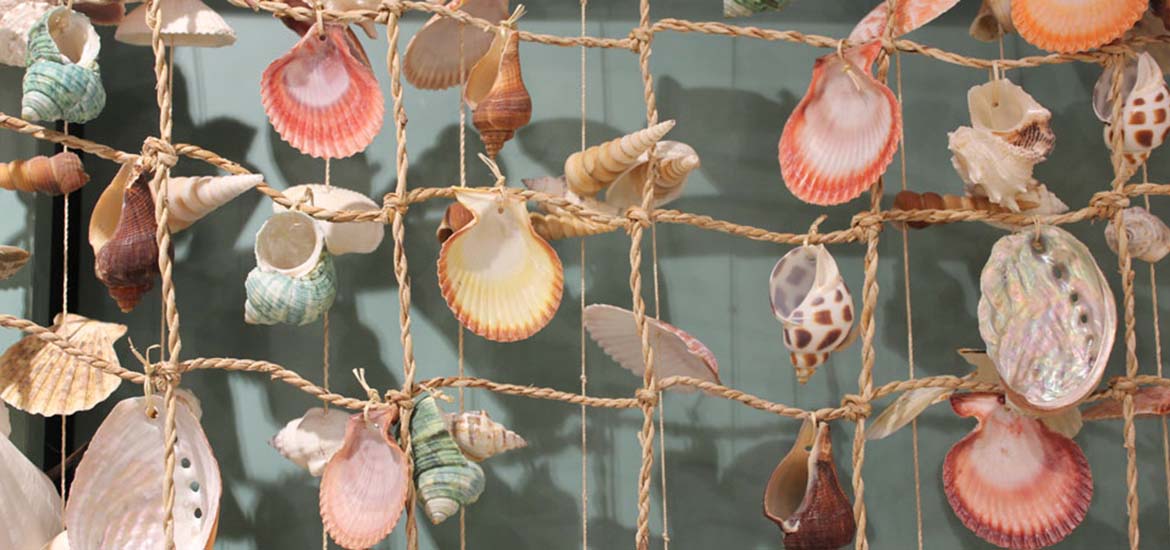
x,y
1011,114
16,18
1048,318
12,258
591,171
676,352
910,15
480,437
993,21
30,508
495,91
340,237
311,440
810,299
122,234
187,23
1145,115
363,490
39,378
59,174
190,199
804,496
500,279
444,478
1147,235
63,81
294,282
432,59
115,500
1074,25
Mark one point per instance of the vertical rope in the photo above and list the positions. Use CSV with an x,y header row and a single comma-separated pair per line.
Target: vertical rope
x,y
462,509
1157,341
584,378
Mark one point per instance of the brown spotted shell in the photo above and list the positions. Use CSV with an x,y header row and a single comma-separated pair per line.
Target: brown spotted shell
x,y
1145,117
810,298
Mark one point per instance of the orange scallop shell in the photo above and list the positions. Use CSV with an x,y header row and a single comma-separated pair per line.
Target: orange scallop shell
x,y
1075,25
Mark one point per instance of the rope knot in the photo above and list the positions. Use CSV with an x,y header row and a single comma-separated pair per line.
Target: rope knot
x,y
638,215
869,223
403,400
856,407
1125,385
388,7
642,35
1108,203
159,375
647,397
158,153
393,205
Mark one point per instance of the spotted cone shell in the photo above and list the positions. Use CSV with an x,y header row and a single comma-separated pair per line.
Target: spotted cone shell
x,y
810,299
804,496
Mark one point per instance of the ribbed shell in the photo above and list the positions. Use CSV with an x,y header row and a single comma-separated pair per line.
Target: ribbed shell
x,y
676,352
62,81
804,498
61,173
445,479
363,490
480,437
278,298
11,260
495,90
910,15
1147,236
310,441
185,23
676,161
128,262
1074,25
431,61
990,166
590,171
190,199
30,508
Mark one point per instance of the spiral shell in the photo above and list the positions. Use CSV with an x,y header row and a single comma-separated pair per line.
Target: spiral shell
x,y
810,299
444,477
480,437
1145,116
592,170
275,297
566,226
1006,110
676,161
1147,235
189,199
62,173
63,81
804,497
340,237
910,201
495,90
122,234
454,218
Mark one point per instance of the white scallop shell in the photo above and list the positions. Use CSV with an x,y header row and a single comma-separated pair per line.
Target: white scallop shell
x,y
341,238
184,23
1147,235
289,243
310,441
676,353
16,18
30,508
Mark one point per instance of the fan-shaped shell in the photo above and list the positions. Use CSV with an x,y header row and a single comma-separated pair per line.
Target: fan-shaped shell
x,y
804,497
16,18
432,62
11,260
480,437
39,378
844,133
30,508
495,90
363,490
1012,481
445,479
1145,117
910,15
62,81
1047,316
810,299
190,199
1147,236
184,23
61,173
500,279
275,298
990,166
345,237
122,233
993,21
676,353
322,96
1074,25
117,494
311,440
1007,111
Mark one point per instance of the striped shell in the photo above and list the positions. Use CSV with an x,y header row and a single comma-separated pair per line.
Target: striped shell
x,y
59,174
591,171
495,90
1074,25
480,437
565,226
189,199
62,81
444,478
276,298
363,490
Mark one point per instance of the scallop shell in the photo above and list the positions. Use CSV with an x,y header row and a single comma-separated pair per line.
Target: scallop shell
x,y
480,437
1146,113
1074,25
313,439
810,299
804,497
1012,481
1147,401
676,161
1147,235
62,81
122,233
363,491
1047,316
990,166
186,23
590,171
444,478
39,378
16,18
1006,110
322,96
495,90
744,8
454,218
500,279
189,199
30,508
565,226
345,237
60,174
676,352
911,14
11,260
844,132
432,62
993,21
117,494
275,298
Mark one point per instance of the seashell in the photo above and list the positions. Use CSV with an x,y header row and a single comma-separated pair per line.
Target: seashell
x,y
498,259
1102,100
289,243
990,166
311,440
59,542
11,260
911,14
62,81
62,173
1074,25
910,201
116,496
809,297
592,170
184,23
345,237
1146,113
564,226
122,234
676,352
495,90
1048,318
1012,481
1147,235
16,18
444,478
744,8
993,21
275,297
454,218
1147,401
676,161
903,411
39,378
432,62
804,497
189,199
1007,111
844,133
30,508
363,491
480,437
322,96
102,12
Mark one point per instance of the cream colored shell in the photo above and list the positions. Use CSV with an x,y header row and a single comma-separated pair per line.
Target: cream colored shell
x,y
313,439
30,508
1008,112
340,238
184,23
990,166
1147,235
190,199
480,437
589,172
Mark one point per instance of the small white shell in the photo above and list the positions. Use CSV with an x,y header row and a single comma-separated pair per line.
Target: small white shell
x,y
184,23
810,298
189,199
341,238
991,167
289,243
1148,236
1006,110
480,437
30,508
16,18
310,441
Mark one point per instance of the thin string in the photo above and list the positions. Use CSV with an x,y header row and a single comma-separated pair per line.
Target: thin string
x,y
584,378
661,401
462,509
1157,340
462,183
64,311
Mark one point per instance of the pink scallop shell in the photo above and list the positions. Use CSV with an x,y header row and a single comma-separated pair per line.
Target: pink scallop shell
x,y
676,353
911,15
363,490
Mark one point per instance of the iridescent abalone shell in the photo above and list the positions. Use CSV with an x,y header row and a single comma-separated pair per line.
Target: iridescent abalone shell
x,y
1047,316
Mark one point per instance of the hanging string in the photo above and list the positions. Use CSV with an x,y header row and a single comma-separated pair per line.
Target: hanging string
x,y
64,311
584,378
661,401
462,183
1157,340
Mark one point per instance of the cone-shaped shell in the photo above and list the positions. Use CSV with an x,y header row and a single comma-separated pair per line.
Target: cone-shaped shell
x,y
500,279
1145,117
1047,316
1012,481
676,352
62,81
11,260
313,439
844,133
40,378
910,201
16,18
122,234
810,299
322,96
184,23
592,170
566,226
189,199
496,92
1007,111
804,497
993,21
277,298
432,61
480,437
444,478
1147,236
676,161
910,15
1074,25
61,173
30,508
363,490
1147,401
345,237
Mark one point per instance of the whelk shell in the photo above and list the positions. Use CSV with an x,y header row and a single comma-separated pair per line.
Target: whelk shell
x,y
311,440
1074,25
344,237
30,508
16,18
810,299
11,260
804,497
1147,235
275,298
495,91
480,437
363,491
1007,111
432,61
676,352
184,23
590,171
189,199
122,234
62,173
676,161
62,81
1147,401
910,15
993,21
444,478
454,218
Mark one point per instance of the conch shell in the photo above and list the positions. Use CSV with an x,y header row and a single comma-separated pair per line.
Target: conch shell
x,y
1066,27
11,260
676,352
363,491
1010,113
495,90
480,437
16,18
810,299
62,81
444,478
184,23
1145,116
189,199
122,234
804,497
311,440
340,237
990,166
30,508
590,171
60,174
1147,235
993,21
431,61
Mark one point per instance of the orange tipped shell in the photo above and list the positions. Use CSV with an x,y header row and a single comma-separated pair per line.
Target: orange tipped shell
x,y
804,496
454,219
1074,25
127,261
495,89
588,172
1148,401
363,490
909,200
61,173
909,15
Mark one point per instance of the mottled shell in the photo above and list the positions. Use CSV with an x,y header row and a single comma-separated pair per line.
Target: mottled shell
x,y
11,260
278,298
480,437
30,508
1047,316
804,496
810,299
311,440
1147,236
61,173
1145,117
445,479
62,81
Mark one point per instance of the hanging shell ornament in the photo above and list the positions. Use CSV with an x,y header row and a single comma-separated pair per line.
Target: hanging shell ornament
x,y
60,174
910,15
745,8
30,508
294,282
454,218
500,279
804,497
1048,318
62,81
1068,26
444,478
122,234
363,490
322,96
186,23
1011,114
11,260
190,199
991,167
810,299
1147,401
993,21
676,352
676,161
1012,481
1037,201
340,237
495,91
40,378
432,59
1147,235
591,171
843,133
115,500
16,18
1145,116
480,437
311,440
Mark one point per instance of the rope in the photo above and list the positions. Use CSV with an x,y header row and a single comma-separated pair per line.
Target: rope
x,y
64,312
584,378
462,183
1157,341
